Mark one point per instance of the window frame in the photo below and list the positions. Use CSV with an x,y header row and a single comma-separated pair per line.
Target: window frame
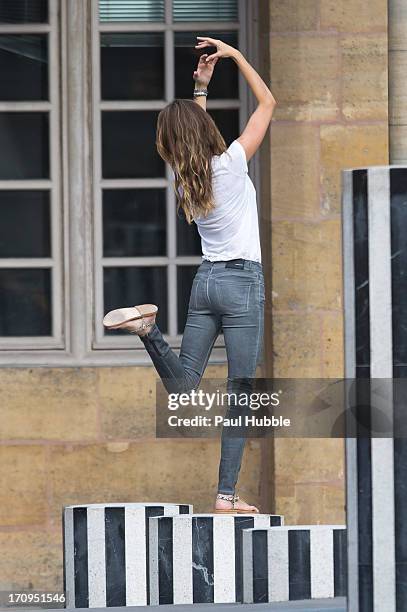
x,y
77,220
172,260
51,185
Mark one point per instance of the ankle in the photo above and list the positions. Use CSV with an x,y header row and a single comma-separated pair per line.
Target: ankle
x,y
143,333
226,497
142,327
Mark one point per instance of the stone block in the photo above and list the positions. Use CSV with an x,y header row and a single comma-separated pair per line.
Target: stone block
x,y
304,77
23,494
49,403
290,563
364,77
294,171
31,559
106,552
126,398
294,15
357,16
297,345
197,558
348,146
306,265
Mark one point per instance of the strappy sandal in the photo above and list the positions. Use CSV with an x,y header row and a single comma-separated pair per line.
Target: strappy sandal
x,y
115,318
233,510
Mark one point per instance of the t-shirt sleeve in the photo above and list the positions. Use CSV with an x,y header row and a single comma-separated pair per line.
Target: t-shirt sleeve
x,y
234,158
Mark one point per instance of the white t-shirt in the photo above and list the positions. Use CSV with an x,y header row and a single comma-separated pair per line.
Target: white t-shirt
x,y
231,229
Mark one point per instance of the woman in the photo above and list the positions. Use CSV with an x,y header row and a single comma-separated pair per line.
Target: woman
x,y
215,191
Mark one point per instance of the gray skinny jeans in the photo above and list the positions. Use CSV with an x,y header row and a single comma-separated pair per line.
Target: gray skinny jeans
x,y
227,298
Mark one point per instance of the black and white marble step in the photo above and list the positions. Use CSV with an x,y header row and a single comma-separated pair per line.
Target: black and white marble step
x,y
374,221
106,552
197,558
291,563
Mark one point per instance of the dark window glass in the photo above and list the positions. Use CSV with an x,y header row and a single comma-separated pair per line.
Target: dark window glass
x,y
128,145
127,286
188,239
224,83
25,224
132,66
131,10
134,222
23,67
185,276
227,122
25,302
23,11
24,151
205,10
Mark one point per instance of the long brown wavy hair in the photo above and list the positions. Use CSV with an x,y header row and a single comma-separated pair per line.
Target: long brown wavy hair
x,y
186,138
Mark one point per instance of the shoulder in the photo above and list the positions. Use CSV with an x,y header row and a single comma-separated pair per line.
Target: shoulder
x,y
233,159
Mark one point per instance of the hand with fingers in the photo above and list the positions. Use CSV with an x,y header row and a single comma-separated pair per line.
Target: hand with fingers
x,y
204,71
222,49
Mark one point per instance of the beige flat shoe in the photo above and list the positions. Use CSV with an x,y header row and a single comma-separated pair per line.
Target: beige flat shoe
x,y
115,318
234,510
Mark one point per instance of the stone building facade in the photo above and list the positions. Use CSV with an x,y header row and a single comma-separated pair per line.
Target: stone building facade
x,y
79,428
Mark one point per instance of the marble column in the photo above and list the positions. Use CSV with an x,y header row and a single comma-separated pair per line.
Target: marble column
x,y
374,208
296,562
198,558
106,552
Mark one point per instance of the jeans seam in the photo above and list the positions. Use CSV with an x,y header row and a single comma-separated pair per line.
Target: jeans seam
x,y
257,356
161,357
205,360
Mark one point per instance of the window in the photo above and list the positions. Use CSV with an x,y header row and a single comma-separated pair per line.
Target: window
x,y
88,209
30,237
144,56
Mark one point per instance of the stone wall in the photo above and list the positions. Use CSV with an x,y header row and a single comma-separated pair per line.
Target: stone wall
x,y
87,435
329,76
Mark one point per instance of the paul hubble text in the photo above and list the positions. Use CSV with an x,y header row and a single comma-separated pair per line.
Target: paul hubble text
x,y
240,421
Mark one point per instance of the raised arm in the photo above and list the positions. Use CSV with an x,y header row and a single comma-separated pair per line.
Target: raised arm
x,y
256,128
202,76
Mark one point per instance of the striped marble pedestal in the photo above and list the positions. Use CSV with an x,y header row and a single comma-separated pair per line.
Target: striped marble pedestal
x,y
291,563
197,558
106,552
375,297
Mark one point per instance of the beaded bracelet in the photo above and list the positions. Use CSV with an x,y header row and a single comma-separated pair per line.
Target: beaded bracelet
x,y
200,92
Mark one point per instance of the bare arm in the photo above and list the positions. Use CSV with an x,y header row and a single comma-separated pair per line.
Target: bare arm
x,y
257,126
258,123
202,76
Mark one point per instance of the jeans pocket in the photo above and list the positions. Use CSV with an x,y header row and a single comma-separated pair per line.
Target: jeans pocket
x,y
234,295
